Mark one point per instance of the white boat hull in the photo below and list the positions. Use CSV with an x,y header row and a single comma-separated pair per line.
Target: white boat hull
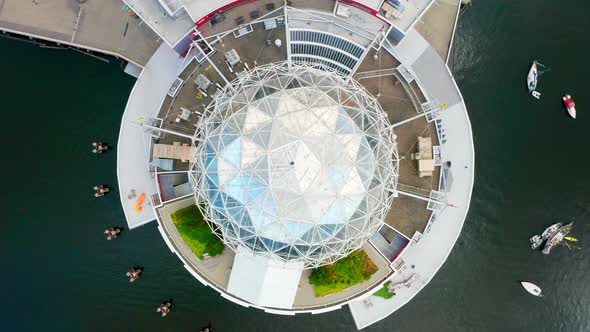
x,y
572,112
569,105
531,288
532,77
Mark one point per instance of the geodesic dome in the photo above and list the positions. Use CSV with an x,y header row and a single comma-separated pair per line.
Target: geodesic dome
x,y
295,163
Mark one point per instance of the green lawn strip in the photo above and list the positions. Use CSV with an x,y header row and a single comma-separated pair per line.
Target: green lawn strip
x,y
384,292
196,233
347,272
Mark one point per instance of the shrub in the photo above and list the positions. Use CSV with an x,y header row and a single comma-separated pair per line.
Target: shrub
x,y
384,292
351,270
196,233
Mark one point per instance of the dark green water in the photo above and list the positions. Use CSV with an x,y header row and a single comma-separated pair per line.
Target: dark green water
x,y
59,274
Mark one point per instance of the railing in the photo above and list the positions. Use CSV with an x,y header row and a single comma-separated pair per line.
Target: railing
x,y
396,73
346,299
414,190
156,200
183,257
375,73
438,200
410,91
440,131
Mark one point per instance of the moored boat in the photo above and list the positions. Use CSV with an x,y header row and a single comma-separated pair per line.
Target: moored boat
x,y
537,241
164,308
532,77
531,288
570,105
550,230
557,237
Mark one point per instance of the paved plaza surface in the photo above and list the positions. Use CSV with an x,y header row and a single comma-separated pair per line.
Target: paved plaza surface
x,y
102,26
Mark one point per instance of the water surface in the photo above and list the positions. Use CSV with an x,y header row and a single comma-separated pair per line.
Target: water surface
x,y
59,274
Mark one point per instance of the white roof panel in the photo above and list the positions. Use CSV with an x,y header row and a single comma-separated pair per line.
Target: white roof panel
x,y
198,8
263,280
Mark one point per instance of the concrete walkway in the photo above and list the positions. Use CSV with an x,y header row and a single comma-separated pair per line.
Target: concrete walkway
x,y
438,23
426,253
133,147
216,270
98,25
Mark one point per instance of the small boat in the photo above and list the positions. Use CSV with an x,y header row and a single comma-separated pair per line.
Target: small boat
x,y
537,241
206,328
532,77
112,232
164,308
570,105
557,237
100,190
550,230
571,239
98,147
134,274
531,288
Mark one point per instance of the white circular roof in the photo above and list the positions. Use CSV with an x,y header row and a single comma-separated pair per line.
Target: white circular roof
x,y
295,163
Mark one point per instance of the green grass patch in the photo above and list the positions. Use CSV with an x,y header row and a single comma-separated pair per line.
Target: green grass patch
x,y
349,271
384,292
196,232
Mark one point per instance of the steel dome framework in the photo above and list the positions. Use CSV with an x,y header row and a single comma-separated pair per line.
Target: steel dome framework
x,y
294,162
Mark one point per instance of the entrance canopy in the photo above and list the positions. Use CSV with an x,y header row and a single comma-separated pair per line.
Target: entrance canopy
x,y
264,281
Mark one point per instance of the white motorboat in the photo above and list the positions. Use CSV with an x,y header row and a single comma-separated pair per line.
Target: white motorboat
x,y
570,105
531,288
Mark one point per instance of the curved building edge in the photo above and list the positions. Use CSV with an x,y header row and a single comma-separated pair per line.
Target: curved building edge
x,y
455,116
408,276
